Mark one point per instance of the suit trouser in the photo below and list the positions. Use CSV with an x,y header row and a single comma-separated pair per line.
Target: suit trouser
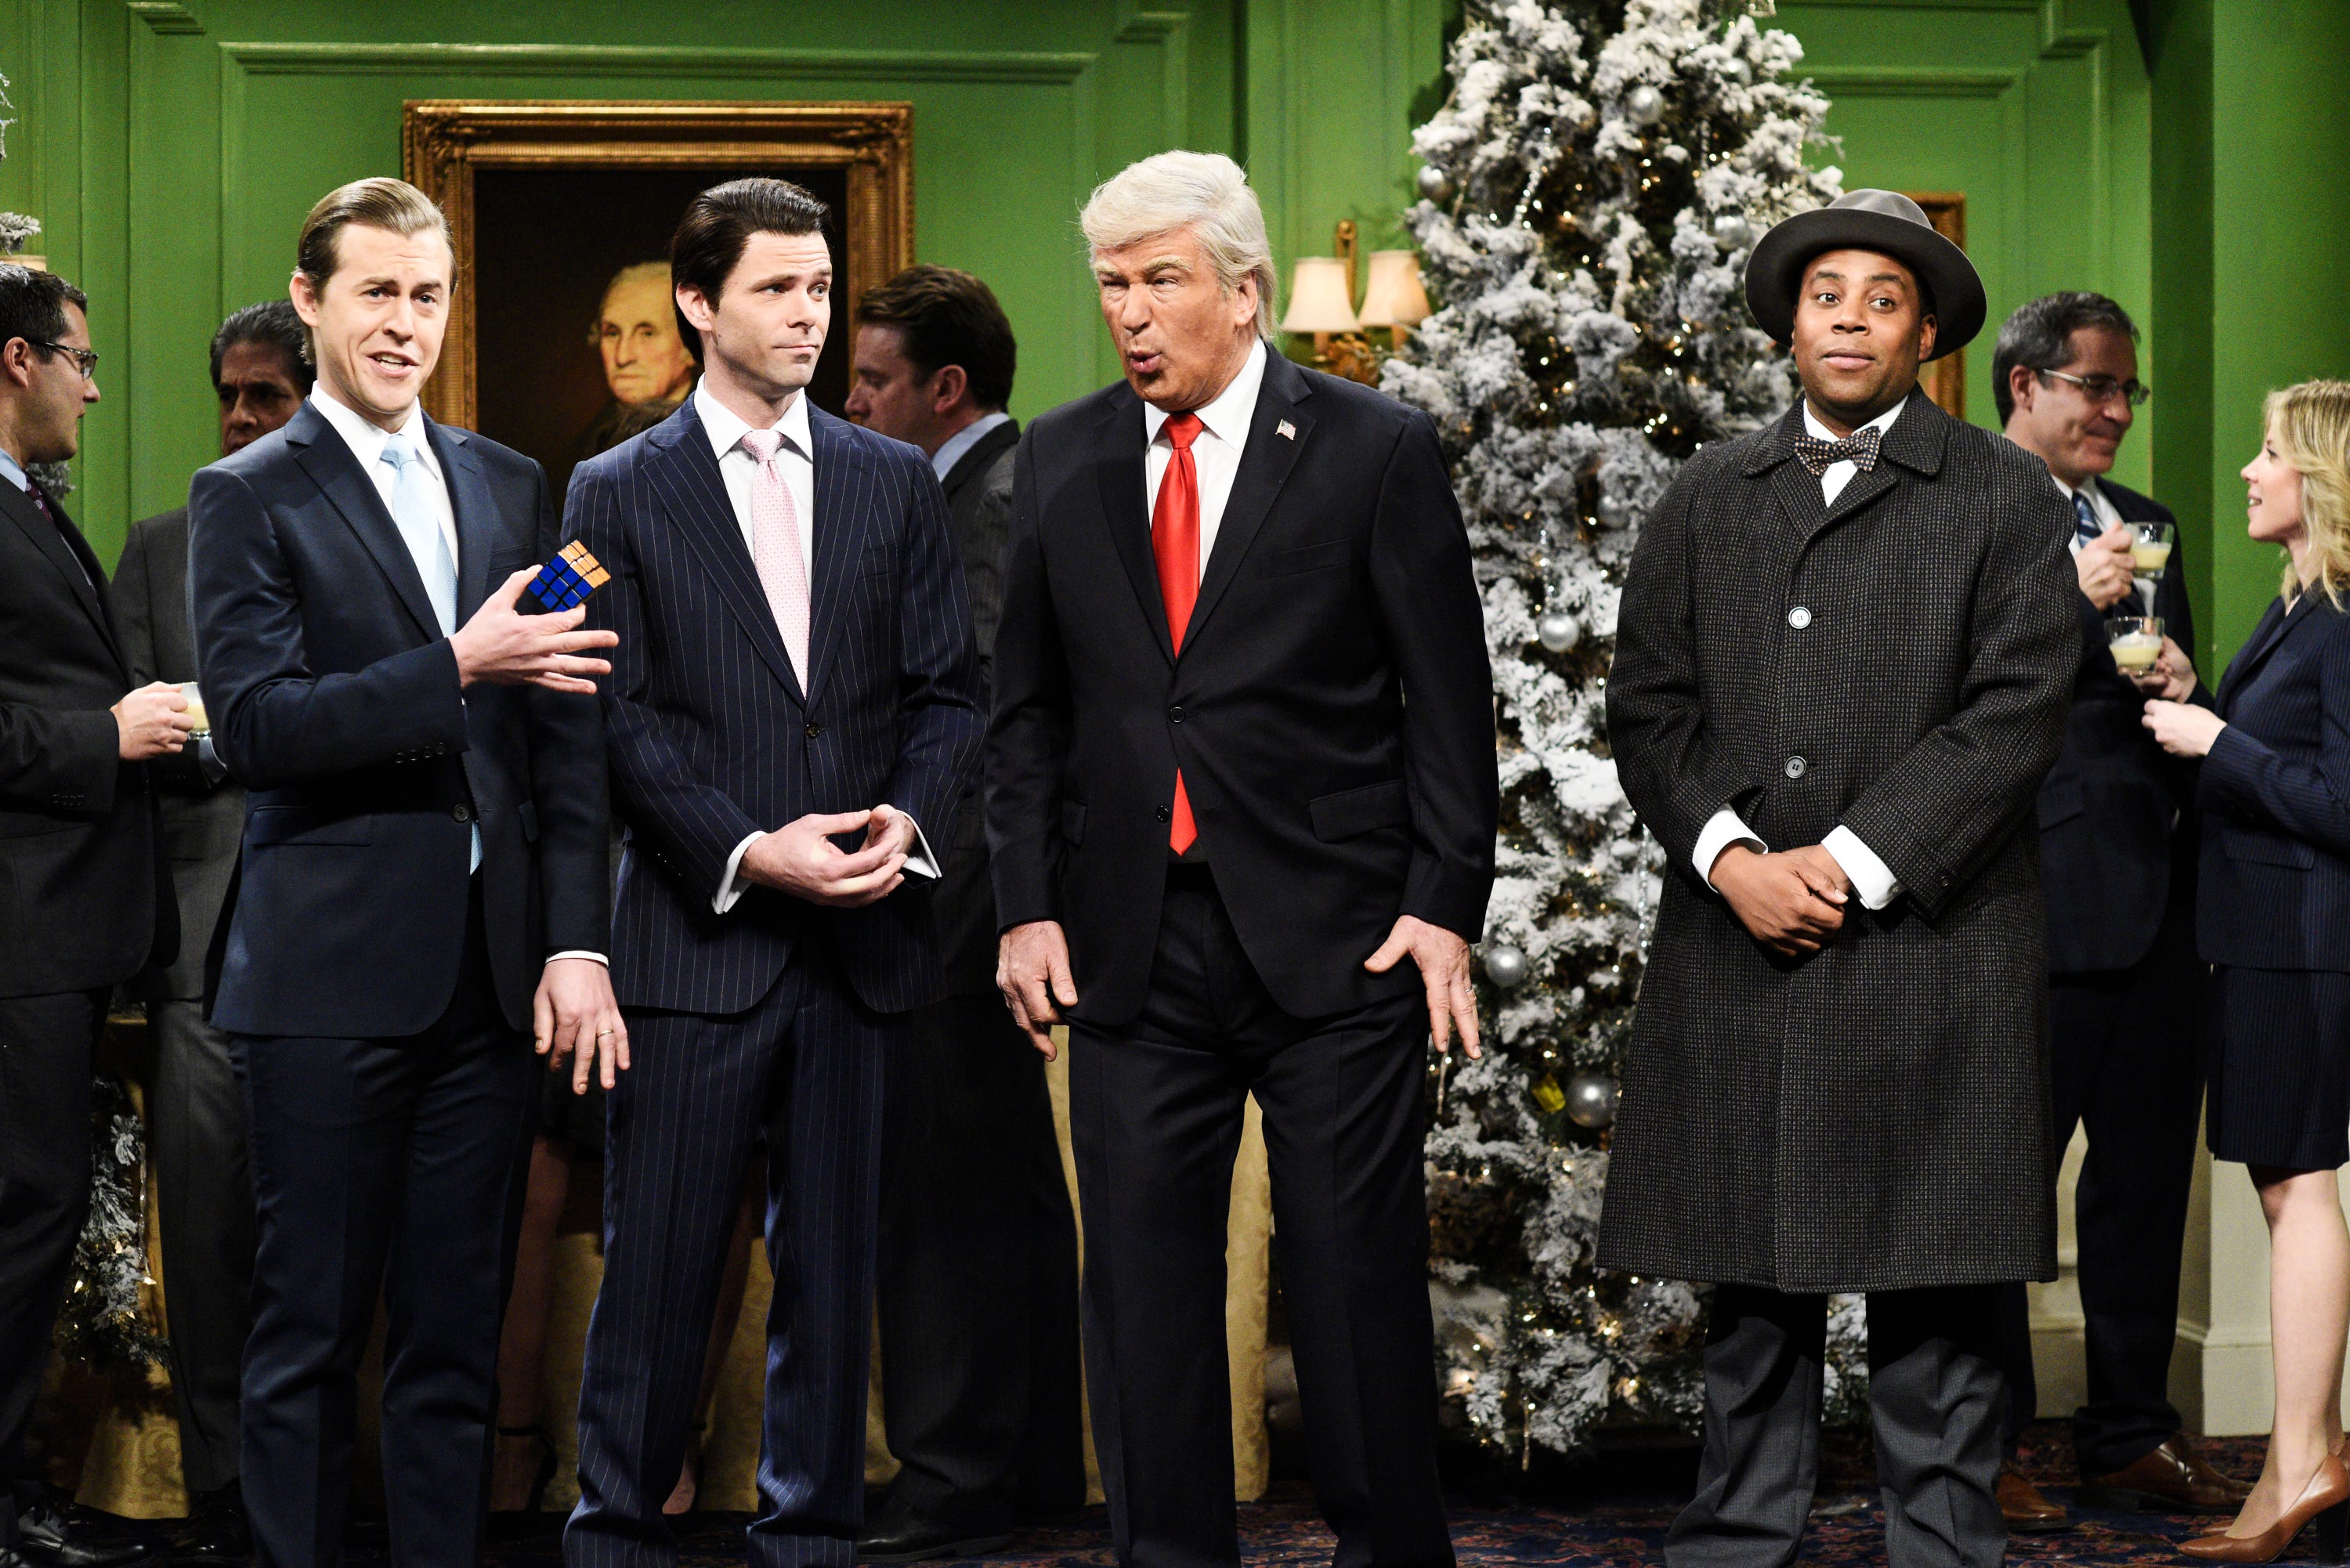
x,y
978,1276
805,1066
204,1187
1155,1109
2125,1063
1934,1406
393,1169
48,1050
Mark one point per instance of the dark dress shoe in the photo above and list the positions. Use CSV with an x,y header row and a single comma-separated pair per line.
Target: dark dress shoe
x,y
217,1533
2026,1511
53,1532
2171,1479
896,1533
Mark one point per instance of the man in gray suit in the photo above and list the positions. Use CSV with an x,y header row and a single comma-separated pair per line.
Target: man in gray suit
x,y
202,1182
978,1262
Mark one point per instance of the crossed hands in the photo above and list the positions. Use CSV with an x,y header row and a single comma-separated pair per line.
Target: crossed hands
x,y
801,859
1791,902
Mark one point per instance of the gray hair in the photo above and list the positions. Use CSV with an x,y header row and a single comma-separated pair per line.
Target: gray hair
x,y
1205,193
2039,336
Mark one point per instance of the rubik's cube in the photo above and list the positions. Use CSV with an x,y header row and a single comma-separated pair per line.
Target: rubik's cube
x,y
569,578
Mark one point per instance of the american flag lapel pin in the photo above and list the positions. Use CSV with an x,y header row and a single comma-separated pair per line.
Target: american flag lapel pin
x,y
1286,431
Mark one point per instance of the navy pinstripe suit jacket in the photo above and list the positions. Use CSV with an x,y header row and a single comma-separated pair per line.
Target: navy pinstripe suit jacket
x,y
710,735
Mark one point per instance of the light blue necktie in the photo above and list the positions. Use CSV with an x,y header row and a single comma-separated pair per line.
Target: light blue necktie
x,y
420,527
418,521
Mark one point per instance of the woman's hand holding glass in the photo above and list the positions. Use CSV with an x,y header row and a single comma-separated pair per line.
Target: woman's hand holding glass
x,y
2172,676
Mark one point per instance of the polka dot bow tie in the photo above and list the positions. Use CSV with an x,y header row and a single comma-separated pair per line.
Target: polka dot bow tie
x,y
1859,449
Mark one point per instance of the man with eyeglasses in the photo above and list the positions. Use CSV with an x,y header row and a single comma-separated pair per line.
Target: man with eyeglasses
x,y
84,901
2118,868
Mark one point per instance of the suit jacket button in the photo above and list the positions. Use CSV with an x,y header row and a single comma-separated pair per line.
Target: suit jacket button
x,y
462,812
814,731
1165,813
1175,714
1795,766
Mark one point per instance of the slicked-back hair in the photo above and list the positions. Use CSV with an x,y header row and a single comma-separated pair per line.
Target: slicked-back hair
x,y
945,316
273,324
2039,336
33,305
720,222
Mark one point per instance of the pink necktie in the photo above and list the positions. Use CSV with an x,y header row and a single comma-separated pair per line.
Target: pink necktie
x,y
775,547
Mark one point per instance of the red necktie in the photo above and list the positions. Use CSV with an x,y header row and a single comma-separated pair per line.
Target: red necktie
x,y
1175,545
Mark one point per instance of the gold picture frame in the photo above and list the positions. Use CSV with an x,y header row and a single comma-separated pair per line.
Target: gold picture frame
x,y
446,143
1945,379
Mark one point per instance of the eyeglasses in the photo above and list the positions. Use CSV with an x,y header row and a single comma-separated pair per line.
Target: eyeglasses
x,y
2104,389
85,359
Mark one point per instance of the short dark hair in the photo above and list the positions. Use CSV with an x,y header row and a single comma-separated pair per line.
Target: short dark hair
x,y
33,305
720,222
945,316
2039,336
273,324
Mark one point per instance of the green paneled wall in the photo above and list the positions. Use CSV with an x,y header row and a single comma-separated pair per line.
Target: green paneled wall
x,y
171,146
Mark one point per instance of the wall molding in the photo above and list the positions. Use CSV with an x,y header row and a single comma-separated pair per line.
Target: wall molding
x,y
165,16
1900,81
572,60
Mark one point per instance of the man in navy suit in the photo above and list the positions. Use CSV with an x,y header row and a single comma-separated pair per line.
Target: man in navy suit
x,y
2118,868
422,884
795,669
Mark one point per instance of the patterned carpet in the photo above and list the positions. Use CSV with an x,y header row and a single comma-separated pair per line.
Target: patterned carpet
x,y
1602,1514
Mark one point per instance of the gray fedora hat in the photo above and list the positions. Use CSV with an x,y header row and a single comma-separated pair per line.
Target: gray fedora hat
x,y
1886,222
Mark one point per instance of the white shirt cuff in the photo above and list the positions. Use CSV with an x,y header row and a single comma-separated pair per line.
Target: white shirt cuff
x,y
730,887
919,861
1871,877
1723,829
580,952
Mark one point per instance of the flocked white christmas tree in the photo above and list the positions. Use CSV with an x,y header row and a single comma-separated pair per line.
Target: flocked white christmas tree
x,y
1592,188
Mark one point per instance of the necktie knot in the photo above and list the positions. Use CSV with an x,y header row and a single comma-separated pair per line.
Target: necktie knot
x,y
761,445
399,452
38,496
1183,430
1859,449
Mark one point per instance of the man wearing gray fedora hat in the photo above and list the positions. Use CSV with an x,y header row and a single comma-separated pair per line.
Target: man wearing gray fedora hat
x,y
1843,664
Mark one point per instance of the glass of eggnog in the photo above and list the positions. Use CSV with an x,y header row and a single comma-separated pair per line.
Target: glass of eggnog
x,y
2136,642
2150,547
196,708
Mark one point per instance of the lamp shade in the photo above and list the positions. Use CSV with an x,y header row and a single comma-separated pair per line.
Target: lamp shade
x,y
1395,298
1317,298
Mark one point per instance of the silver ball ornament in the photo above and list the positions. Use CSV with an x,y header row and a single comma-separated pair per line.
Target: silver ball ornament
x,y
1645,105
1733,231
1506,966
1435,183
1557,630
1591,1100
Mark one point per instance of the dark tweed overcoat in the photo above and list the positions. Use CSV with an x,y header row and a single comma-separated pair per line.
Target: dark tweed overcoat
x,y
1875,1115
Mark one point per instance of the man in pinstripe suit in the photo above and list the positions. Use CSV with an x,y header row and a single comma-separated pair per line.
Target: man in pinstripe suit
x,y
797,672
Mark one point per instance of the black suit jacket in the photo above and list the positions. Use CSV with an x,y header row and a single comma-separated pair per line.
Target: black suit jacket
x,y
203,815
978,505
2117,811
2275,792
1338,588
712,736
84,900
334,698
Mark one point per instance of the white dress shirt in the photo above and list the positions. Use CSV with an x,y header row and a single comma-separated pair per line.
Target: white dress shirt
x,y
951,450
1871,878
796,458
1215,451
366,440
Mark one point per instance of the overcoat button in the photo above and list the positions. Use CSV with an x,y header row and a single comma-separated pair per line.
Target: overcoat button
x,y
462,812
1795,766
1799,617
1175,714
